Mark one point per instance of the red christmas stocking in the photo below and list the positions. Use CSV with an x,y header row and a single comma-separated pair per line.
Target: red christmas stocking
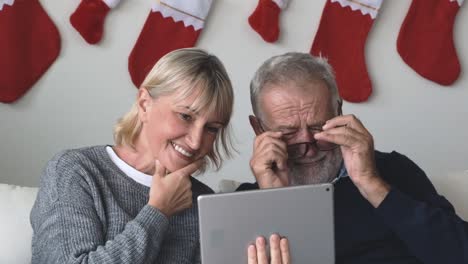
x,y
265,18
29,44
88,18
425,41
341,38
171,25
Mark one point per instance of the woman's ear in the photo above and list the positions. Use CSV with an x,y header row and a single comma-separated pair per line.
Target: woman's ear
x,y
143,102
254,122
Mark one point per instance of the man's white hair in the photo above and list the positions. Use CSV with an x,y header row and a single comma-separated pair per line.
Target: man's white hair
x,y
297,68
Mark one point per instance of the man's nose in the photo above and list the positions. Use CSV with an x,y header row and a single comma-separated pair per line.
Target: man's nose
x,y
305,135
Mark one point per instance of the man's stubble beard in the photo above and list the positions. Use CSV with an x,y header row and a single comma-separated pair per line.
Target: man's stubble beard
x,y
324,170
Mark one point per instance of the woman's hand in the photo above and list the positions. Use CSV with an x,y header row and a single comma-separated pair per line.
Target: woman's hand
x,y
172,193
279,251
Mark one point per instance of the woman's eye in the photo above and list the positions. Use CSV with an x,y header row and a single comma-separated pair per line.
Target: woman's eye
x,y
185,117
213,130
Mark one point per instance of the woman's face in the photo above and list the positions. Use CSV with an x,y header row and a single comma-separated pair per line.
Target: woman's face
x,y
175,134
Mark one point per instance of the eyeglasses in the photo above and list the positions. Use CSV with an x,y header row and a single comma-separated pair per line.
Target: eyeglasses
x,y
299,150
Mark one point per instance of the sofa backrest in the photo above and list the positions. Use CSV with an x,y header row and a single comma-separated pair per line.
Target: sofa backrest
x,y
15,229
16,203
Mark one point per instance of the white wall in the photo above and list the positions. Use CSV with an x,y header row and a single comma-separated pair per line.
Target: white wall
x,y
79,99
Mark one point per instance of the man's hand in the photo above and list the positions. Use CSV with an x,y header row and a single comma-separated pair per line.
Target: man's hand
x,y
279,251
172,193
357,147
269,160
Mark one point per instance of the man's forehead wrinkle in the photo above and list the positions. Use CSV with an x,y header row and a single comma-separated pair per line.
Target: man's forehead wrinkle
x,y
293,106
293,118
292,110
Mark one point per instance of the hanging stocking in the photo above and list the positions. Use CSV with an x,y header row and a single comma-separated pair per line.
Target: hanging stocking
x,y
265,18
88,18
171,25
341,38
29,44
425,41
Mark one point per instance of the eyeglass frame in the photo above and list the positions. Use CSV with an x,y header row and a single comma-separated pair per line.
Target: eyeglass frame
x,y
308,145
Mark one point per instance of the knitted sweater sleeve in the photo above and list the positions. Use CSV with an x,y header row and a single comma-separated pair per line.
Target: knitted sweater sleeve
x,y
67,227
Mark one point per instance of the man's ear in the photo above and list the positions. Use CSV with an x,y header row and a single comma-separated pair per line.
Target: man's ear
x,y
254,122
143,102
340,110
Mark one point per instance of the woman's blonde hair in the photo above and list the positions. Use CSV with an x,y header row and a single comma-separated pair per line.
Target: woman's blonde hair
x,y
187,71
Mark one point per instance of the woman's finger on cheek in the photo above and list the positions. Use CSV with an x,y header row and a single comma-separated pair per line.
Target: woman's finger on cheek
x,y
158,169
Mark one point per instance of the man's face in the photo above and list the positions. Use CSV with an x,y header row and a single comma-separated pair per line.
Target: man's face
x,y
299,111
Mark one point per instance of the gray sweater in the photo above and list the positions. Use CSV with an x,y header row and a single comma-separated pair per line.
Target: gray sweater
x,y
88,211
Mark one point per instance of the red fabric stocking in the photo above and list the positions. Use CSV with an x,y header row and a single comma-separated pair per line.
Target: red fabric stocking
x,y
341,38
88,18
171,25
425,41
29,44
265,19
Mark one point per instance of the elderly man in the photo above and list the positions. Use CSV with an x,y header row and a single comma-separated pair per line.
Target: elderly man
x,y
386,209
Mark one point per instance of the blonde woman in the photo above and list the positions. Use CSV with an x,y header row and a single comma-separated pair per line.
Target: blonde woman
x,y
134,202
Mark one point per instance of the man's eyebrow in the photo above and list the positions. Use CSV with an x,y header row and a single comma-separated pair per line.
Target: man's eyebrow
x,y
317,125
287,127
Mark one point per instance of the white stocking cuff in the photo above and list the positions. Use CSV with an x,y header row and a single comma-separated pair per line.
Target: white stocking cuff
x,y
281,3
367,7
111,3
6,2
191,12
460,2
